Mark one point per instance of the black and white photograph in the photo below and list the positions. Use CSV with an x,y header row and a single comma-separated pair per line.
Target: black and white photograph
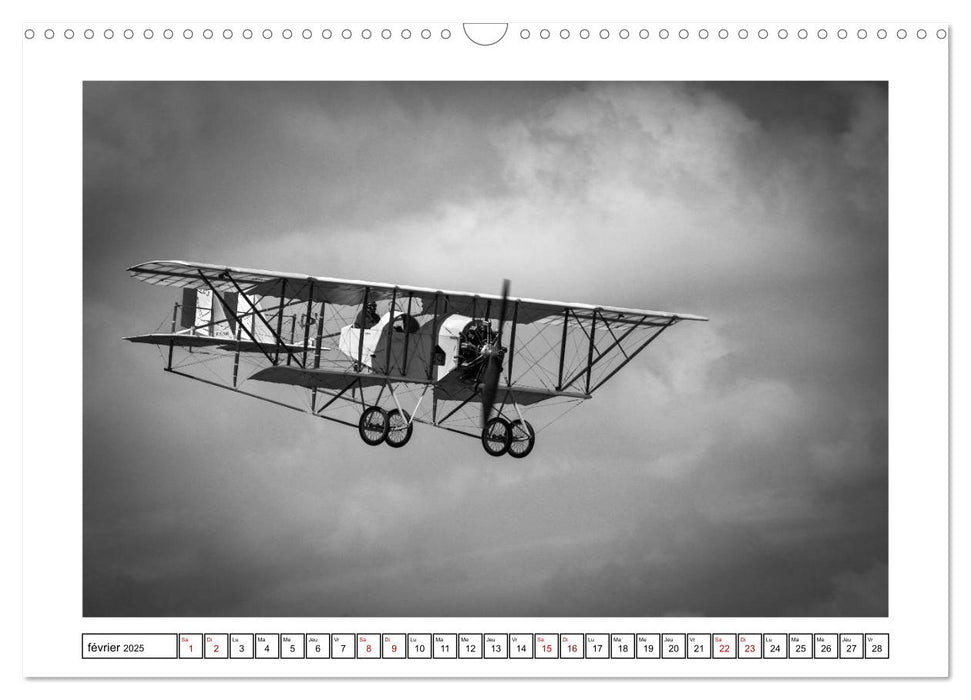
x,y
485,349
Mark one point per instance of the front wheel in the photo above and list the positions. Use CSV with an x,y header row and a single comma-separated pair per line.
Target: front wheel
x,y
400,428
495,437
522,437
373,425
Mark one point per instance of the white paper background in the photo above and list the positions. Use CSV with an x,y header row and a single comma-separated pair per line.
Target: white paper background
x,y
918,258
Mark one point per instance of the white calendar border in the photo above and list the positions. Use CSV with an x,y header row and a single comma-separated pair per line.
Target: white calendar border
x,y
918,290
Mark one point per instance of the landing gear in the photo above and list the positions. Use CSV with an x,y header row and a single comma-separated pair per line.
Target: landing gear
x,y
516,438
522,437
495,436
373,425
393,427
400,428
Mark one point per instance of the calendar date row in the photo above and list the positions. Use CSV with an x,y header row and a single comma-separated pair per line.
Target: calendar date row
x,y
486,646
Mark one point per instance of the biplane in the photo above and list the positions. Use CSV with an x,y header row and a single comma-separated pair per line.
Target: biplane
x,y
395,355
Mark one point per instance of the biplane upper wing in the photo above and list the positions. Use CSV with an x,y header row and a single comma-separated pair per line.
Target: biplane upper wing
x,y
176,273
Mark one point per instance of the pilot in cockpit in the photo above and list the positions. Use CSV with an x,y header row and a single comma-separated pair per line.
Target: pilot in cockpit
x,y
368,317
403,323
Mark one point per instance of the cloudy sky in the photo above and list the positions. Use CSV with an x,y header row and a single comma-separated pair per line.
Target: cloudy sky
x,y
738,467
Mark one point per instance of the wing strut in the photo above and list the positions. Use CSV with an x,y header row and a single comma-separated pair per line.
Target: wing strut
x,y
307,322
363,326
261,398
593,334
276,336
512,342
472,395
387,354
218,296
404,362
635,353
279,323
339,394
566,320
601,355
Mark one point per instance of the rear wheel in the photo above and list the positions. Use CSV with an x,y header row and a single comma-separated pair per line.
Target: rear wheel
x,y
399,428
495,437
373,425
522,437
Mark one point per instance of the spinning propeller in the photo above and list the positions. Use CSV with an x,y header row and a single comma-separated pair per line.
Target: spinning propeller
x,y
493,353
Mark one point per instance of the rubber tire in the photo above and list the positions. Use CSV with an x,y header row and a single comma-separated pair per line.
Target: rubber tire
x,y
411,426
485,440
529,446
370,410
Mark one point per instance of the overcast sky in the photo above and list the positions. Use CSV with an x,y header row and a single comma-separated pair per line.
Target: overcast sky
x,y
737,467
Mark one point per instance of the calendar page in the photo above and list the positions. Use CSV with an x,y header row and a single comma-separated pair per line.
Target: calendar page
x,y
379,347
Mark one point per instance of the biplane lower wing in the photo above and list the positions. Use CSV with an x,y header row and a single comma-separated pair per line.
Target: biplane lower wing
x,y
327,379
453,390
524,396
336,380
